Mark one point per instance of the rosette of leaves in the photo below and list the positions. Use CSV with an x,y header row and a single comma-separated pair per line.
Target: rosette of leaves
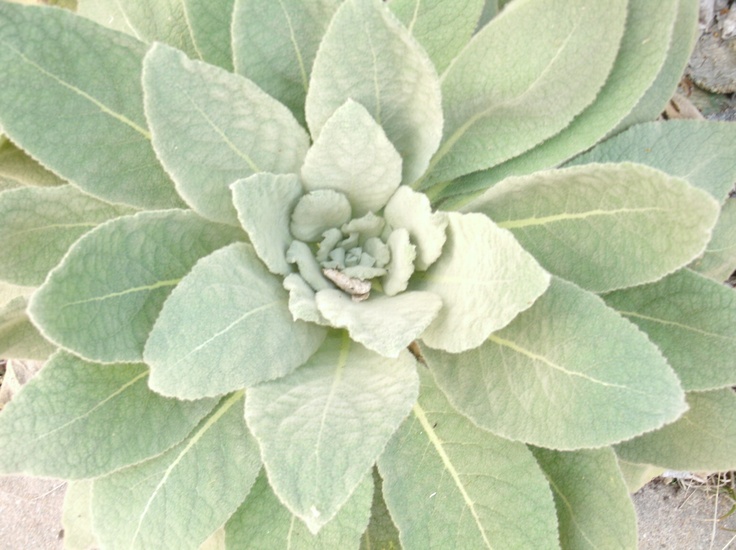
x,y
225,223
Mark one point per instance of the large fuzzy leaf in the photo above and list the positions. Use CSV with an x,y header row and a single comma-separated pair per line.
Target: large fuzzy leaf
x,y
19,339
322,427
449,484
719,259
402,93
102,300
85,121
604,227
229,314
17,169
59,425
569,373
211,127
210,27
178,499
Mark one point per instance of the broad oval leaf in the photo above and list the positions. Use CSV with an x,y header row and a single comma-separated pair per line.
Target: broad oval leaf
x,y
226,326
693,322
262,522
39,226
703,440
210,128
88,98
403,95
59,425
499,106
449,484
102,299
484,279
178,499
568,373
719,259
593,503
322,427
604,226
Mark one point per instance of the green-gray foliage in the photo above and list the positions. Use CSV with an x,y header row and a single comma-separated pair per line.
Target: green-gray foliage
x,y
224,223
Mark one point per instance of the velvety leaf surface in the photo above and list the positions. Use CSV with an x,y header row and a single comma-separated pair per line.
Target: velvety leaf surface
x,y
178,499
703,440
61,423
637,475
381,531
210,24
226,326
87,99
39,226
18,169
501,105
442,28
403,95
604,227
692,320
263,523
103,298
19,339
719,259
484,279
275,43
449,484
211,127
77,516
700,152
568,373
593,503
322,427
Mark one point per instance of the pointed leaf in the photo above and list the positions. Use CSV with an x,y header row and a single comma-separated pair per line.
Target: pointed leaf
x,y
211,127
384,324
703,440
692,320
403,94
442,28
353,155
178,499
19,339
606,226
569,373
262,522
103,298
59,425
475,490
593,503
499,106
17,169
274,44
231,315
86,119
210,24
638,475
381,531
77,516
322,427
484,279
719,259
39,226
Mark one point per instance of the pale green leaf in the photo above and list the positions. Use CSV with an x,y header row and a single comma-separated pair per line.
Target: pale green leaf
x,y
381,532
264,203
692,320
449,484
263,523
79,420
85,121
368,56
77,516
604,226
569,373
700,152
39,226
18,169
211,127
178,499
442,28
274,44
102,299
401,266
719,259
230,314
353,155
318,211
210,24
703,440
637,475
384,324
322,427
593,504
484,279
19,339
499,106
301,300
107,13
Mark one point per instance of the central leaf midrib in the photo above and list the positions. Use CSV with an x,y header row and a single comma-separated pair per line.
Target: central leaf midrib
x,y
573,216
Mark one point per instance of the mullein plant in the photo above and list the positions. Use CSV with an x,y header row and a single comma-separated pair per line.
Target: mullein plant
x,y
341,274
